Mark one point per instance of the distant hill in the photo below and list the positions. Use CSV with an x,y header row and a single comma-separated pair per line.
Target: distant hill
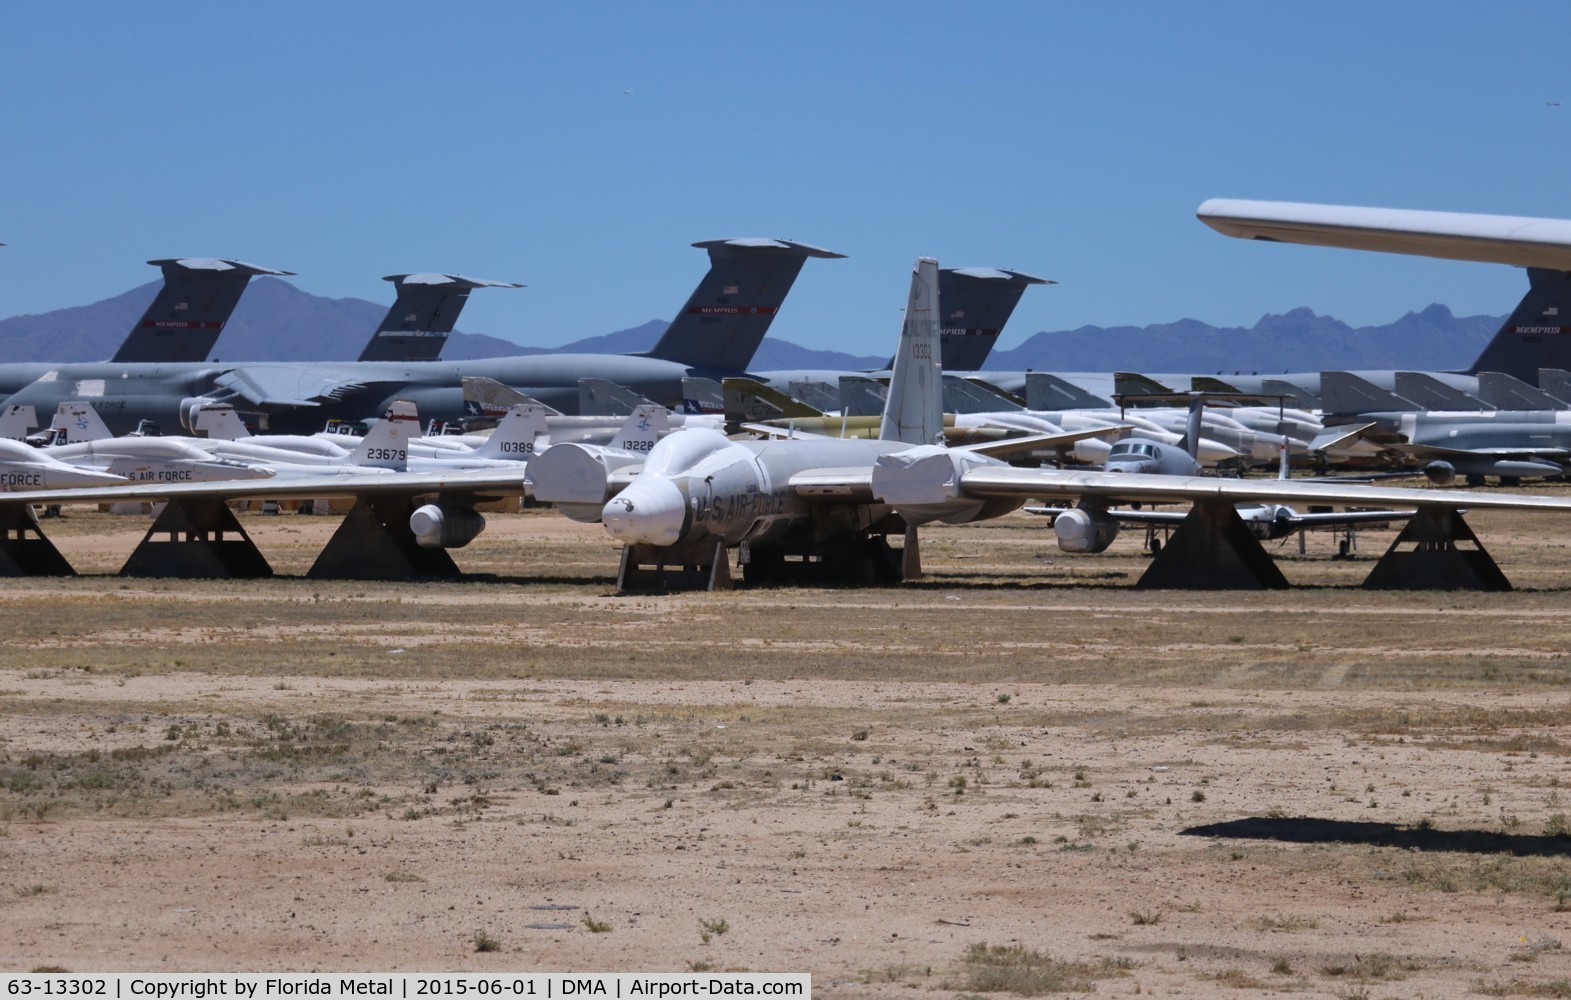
x,y
276,321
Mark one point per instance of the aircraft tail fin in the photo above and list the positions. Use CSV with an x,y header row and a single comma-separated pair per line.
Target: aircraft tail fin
x,y
386,442
702,395
1344,392
964,395
1432,394
422,316
1505,392
1045,391
824,396
747,401
1136,384
598,397
220,422
642,428
914,411
976,303
487,399
1556,382
1292,395
1537,334
16,420
861,396
76,422
729,312
514,437
190,310
1194,425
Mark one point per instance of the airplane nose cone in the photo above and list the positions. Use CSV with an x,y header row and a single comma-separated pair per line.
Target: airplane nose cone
x,y
649,512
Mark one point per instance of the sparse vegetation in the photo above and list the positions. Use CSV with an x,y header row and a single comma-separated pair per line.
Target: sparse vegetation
x,y
1023,972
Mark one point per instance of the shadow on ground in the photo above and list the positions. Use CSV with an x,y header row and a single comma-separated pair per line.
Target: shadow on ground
x,y
1309,830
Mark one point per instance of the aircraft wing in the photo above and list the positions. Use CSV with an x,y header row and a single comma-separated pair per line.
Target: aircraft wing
x,y
497,482
289,386
1498,239
1003,481
1326,519
1430,451
852,485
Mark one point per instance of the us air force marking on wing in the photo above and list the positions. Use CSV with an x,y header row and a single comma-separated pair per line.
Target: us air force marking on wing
x,y
407,986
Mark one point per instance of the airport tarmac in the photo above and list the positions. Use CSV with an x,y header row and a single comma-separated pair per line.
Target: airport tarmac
x,y
1323,791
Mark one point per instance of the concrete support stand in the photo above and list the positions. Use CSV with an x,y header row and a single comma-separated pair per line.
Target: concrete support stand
x,y
1436,551
1212,550
197,539
375,543
24,550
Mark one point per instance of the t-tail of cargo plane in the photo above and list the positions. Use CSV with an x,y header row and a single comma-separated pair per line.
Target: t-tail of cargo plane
x,y
729,312
423,315
190,310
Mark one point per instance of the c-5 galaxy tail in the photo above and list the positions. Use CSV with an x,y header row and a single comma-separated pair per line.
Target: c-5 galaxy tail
x,y
976,303
731,309
189,312
1537,334
422,316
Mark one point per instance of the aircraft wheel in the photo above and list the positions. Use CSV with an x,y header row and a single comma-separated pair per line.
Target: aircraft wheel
x,y
1156,546
763,566
1510,480
1341,549
1473,479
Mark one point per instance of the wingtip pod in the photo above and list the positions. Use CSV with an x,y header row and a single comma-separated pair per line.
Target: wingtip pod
x,y
1490,239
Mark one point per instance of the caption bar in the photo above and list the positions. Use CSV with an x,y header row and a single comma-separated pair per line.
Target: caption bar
x,y
414,986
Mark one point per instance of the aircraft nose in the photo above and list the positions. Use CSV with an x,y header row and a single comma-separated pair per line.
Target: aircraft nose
x,y
651,511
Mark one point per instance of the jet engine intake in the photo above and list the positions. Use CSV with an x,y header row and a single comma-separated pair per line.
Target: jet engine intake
x,y
1082,530
445,526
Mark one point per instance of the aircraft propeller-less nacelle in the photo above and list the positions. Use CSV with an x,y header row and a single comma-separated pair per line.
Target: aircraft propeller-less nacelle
x,y
694,485
445,526
1085,530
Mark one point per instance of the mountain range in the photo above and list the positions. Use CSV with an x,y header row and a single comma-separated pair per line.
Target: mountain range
x,y
276,321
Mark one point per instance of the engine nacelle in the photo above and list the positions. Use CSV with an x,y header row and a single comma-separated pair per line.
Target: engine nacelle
x,y
438,526
1440,473
1081,530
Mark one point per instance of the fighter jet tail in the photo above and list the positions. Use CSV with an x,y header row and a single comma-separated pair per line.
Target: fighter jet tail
x,y
423,315
76,422
729,312
16,421
386,443
514,437
189,312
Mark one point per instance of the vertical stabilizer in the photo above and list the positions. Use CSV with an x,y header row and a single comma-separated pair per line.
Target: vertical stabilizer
x,y
747,401
386,443
642,428
423,314
976,302
598,397
702,395
1504,392
1537,334
514,437
1432,394
1045,391
220,422
76,422
861,396
914,411
16,420
964,395
190,310
1344,392
729,312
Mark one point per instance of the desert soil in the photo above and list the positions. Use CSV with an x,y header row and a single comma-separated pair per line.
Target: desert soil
x,y
1317,792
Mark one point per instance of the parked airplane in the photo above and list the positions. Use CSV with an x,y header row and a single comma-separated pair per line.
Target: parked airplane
x,y
715,334
181,324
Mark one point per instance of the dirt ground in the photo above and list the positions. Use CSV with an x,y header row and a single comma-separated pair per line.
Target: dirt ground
x,y
1020,773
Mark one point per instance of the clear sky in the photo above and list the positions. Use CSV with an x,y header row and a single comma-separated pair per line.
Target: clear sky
x,y
580,147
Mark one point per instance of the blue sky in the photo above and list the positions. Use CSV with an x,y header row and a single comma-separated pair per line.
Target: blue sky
x,y
579,148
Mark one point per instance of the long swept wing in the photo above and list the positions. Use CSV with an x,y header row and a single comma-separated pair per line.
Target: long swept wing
x,y
500,482
1005,481
1497,239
